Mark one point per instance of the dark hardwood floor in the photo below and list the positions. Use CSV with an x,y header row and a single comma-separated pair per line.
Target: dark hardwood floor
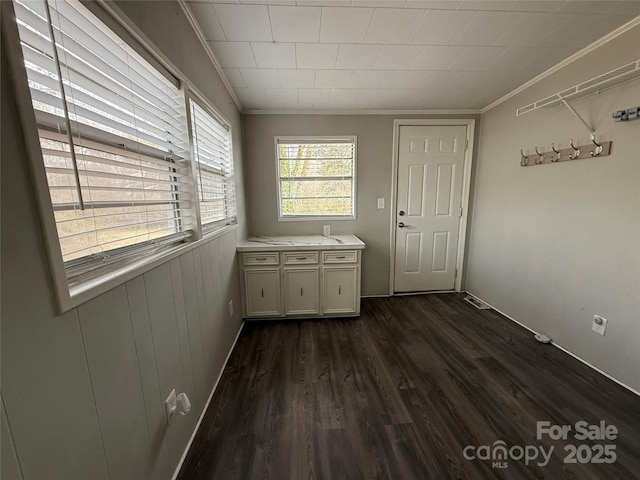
x,y
399,392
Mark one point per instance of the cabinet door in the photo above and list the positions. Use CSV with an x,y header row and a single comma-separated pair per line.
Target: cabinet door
x,y
262,292
340,289
301,291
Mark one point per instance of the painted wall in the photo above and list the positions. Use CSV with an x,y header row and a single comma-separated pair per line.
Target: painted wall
x,y
375,149
83,392
552,245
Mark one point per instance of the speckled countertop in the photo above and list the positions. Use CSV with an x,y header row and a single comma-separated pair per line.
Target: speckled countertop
x,y
300,242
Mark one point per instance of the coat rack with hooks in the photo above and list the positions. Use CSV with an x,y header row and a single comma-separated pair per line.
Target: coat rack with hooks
x,y
571,152
613,78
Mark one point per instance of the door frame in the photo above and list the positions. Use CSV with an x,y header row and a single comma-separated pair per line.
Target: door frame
x,y
470,123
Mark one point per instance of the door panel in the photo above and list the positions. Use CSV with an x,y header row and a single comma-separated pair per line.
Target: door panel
x,y
430,174
301,291
262,287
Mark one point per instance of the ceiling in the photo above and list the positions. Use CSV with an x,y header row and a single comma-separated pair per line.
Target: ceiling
x,y
342,55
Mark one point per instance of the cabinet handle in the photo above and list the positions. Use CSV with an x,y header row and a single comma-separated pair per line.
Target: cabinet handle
x,y
262,292
339,290
342,257
301,294
301,258
261,259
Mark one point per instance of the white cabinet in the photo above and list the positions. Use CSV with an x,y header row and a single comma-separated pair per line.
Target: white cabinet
x,y
340,290
290,282
301,291
262,292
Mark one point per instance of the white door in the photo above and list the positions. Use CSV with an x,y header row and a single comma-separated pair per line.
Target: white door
x,y
428,207
340,289
262,291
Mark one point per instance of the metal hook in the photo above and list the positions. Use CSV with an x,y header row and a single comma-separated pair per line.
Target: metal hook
x,y
598,150
540,158
524,161
557,155
576,153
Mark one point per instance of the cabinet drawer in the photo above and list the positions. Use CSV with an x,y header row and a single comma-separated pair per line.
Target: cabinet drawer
x,y
300,258
350,256
271,258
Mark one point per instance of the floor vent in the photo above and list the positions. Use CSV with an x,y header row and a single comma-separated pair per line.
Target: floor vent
x,y
479,304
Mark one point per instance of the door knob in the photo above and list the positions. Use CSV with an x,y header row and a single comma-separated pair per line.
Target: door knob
x,y
402,225
401,213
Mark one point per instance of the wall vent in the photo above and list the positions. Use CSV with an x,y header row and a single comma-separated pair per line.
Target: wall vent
x,y
479,304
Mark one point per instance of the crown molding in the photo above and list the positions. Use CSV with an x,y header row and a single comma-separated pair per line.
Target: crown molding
x,y
203,41
362,112
567,61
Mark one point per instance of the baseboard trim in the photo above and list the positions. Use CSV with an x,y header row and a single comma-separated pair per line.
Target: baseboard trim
x,y
374,296
206,406
560,347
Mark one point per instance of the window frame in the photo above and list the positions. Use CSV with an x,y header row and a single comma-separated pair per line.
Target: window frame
x,y
317,139
70,296
205,230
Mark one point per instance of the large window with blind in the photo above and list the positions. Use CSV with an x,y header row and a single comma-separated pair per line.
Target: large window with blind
x,y
316,177
115,139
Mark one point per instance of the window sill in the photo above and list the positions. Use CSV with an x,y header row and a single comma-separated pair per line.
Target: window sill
x,y
83,292
315,218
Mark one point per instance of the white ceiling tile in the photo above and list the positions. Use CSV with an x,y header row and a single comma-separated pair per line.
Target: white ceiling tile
x,y
235,77
433,4
324,3
282,97
624,7
274,55
251,98
440,27
357,57
486,27
333,78
313,96
367,78
476,58
537,5
297,78
484,5
581,30
532,29
438,57
233,54
342,98
260,78
345,25
295,24
378,3
393,25
269,2
208,21
514,59
316,55
402,79
579,6
244,23
398,57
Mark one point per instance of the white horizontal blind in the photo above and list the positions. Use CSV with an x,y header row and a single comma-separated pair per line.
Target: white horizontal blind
x,y
316,177
113,137
214,174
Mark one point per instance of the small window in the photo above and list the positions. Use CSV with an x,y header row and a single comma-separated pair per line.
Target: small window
x,y
213,168
316,177
113,138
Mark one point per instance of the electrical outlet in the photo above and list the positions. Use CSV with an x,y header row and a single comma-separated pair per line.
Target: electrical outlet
x,y
326,230
231,308
170,405
380,203
599,324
